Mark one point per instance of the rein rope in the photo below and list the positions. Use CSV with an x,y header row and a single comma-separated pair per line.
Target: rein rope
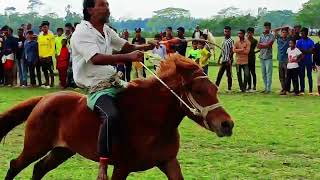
x,y
196,108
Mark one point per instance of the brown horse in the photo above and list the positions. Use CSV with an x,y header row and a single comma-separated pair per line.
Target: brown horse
x,y
61,124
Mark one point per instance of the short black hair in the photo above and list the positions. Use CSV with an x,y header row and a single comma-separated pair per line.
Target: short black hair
x,y
227,28
242,31
267,24
297,26
45,23
181,29
59,29
20,29
87,4
305,30
5,28
137,30
10,30
30,32
293,41
68,25
285,29
195,42
170,28
250,29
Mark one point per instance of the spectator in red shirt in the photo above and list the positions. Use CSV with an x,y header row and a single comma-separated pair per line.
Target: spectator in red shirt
x,y
63,64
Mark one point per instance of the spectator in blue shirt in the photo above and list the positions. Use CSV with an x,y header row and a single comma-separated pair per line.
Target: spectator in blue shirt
x,y
283,45
31,56
306,45
265,45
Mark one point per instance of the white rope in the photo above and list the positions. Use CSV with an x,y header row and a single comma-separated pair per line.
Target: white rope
x,y
194,111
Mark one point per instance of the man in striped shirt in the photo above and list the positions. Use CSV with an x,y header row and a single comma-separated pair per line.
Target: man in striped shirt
x,y
227,58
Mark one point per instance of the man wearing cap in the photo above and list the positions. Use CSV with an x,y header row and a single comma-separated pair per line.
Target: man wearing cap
x,y
93,43
265,46
46,43
242,48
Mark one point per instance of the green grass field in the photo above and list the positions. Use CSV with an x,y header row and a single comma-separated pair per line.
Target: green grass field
x,y
274,138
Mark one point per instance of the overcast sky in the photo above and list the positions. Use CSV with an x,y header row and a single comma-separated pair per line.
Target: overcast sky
x,y
144,8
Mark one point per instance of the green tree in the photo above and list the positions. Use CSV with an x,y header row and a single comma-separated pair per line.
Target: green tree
x,y
309,14
34,5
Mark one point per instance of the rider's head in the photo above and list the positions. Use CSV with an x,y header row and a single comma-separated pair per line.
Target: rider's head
x,y
96,10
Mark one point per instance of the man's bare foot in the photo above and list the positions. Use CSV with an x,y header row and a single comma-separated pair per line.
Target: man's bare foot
x,y
102,174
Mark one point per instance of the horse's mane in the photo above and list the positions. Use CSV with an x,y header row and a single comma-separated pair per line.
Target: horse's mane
x,y
172,70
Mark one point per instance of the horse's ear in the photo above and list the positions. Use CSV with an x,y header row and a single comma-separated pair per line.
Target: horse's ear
x,y
185,66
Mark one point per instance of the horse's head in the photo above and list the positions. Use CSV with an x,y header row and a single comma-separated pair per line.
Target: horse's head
x,y
199,93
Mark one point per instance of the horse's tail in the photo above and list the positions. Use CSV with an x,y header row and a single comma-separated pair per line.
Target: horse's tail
x,y
16,116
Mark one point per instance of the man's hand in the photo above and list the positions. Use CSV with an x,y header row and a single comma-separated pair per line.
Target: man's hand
x,y
136,56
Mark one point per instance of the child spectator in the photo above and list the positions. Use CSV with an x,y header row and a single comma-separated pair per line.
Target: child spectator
x,y
294,56
63,64
204,56
194,53
160,50
31,56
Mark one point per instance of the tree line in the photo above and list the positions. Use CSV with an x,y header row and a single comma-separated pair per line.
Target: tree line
x,y
175,17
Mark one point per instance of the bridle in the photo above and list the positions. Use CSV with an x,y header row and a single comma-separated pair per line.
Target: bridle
x,y
199,110
196,108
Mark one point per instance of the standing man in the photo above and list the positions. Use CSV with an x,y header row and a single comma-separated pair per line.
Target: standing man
x,y
46,45
306,45
227,58
265,46
92,45
138,40
22,68
296,32
197,33
10,46
168,41
252,60
31,58
242,48
283,46
181,48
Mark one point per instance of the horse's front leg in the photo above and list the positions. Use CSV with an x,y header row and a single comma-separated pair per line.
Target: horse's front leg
x,y
119,174
172,169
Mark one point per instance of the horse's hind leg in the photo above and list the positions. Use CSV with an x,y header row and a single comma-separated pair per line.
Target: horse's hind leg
x,y
56,157
28,156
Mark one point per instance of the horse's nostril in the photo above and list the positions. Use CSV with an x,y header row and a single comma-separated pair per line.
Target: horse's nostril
x,y
225,125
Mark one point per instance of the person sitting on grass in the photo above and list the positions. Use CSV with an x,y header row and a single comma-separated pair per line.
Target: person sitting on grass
x,y
63,63
294,57
204,56
194,52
